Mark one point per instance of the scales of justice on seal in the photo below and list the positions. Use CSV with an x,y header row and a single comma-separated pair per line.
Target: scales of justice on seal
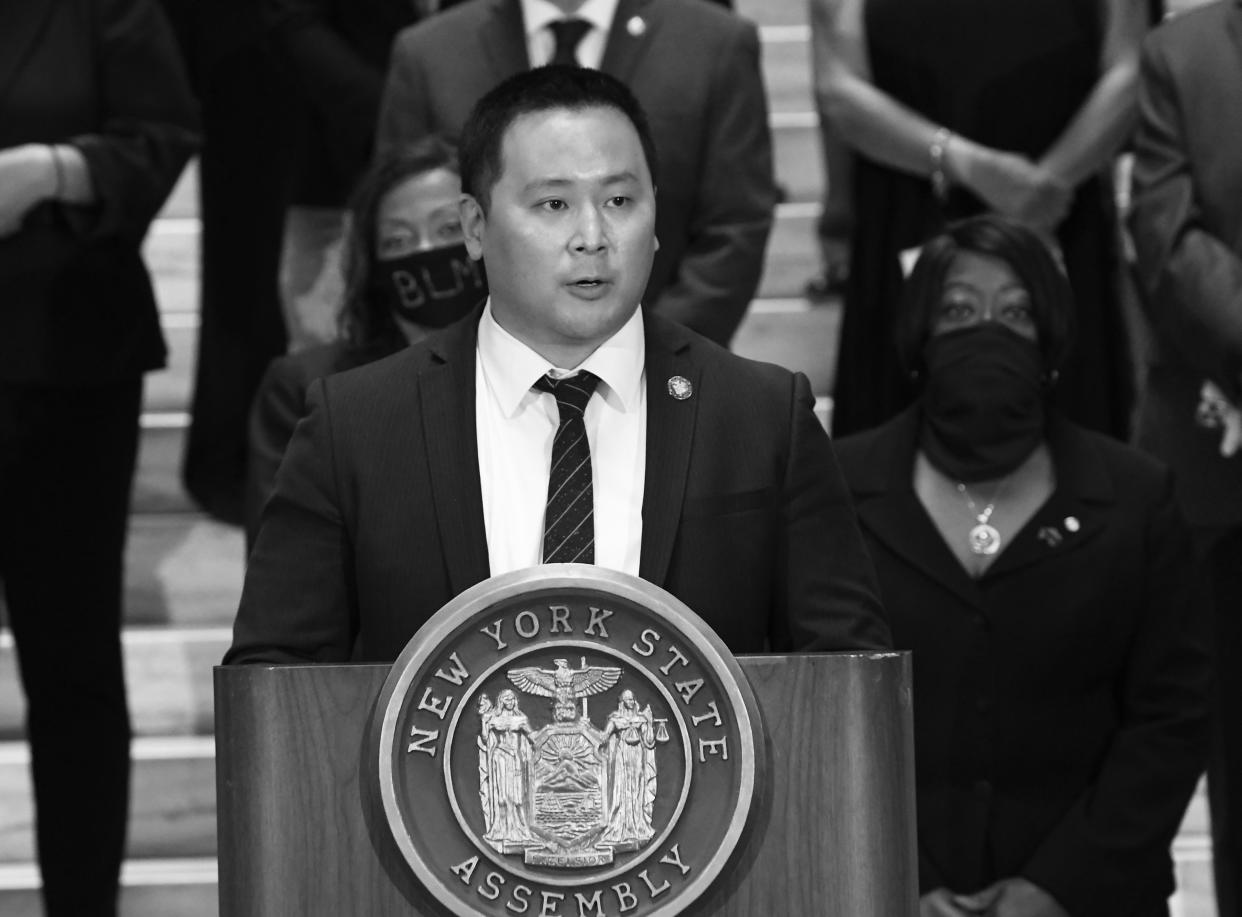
x,y
568,741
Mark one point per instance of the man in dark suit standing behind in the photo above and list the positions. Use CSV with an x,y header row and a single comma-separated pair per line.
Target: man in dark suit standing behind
x,y
1186,224
694,68
414,478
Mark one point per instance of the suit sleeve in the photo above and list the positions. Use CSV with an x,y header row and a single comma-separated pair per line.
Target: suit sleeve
x,y
297,604
1113,842
149,126
279,404
1190,279
403,114
720,269
830,600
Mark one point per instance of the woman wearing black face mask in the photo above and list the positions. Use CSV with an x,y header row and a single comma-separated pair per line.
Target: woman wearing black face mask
x,y
407,274
1040,574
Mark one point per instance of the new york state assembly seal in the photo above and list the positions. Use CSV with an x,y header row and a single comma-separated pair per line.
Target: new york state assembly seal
x,y
567,741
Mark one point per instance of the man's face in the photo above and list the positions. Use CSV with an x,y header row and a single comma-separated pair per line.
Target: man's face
x,y
570,231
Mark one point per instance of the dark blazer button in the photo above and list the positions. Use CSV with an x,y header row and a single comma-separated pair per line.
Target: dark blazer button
x,y
983,789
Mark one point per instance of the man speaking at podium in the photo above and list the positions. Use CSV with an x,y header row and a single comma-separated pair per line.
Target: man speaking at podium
x,y
562,424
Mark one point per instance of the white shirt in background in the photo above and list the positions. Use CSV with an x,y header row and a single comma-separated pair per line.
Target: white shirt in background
x,y
541,43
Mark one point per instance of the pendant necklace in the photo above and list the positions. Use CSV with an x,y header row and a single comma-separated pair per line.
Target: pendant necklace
x,y
984,538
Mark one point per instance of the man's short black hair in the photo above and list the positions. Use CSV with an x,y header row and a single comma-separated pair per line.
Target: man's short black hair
x,y
1030,259
530,92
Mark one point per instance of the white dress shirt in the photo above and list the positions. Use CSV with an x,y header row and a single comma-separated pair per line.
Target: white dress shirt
x,y
541,43
516,424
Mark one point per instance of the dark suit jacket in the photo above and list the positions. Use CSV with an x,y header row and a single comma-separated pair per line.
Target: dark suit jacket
x,y
76,305
1059,700
695,69
377,519
1186,223
279,403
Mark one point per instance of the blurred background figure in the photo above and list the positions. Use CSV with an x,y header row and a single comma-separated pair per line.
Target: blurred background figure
x,y
406,273
247,147
290,91
1041,574
835,226
962,106
695,70
334,54
1186,224
96,123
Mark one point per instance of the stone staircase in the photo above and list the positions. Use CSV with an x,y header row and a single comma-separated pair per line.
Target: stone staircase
x,y
184,571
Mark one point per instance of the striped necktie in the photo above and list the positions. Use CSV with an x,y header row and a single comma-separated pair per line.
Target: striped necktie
x,y
569,518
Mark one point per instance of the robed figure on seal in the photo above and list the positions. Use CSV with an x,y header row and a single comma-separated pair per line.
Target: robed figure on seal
x,y
630,790
504,770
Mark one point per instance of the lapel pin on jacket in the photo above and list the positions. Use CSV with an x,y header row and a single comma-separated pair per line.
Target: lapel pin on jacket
x,y
636,25
680,388
1072,524
1049,536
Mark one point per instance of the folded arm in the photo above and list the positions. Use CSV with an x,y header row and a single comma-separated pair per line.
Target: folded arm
x,y
149,126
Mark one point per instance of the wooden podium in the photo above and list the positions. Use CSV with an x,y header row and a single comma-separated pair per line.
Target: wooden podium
x,y
833,833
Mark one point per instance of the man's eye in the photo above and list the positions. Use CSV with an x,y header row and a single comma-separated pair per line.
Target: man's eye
x,y
449,231
619,200
555,205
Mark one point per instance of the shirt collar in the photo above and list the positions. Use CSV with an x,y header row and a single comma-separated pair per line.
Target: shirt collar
x,y
511,367
537,14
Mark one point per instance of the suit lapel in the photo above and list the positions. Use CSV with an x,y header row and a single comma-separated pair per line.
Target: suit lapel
x,y
625,48
447,391
889,509
1072,516
503,38
22,25
670,432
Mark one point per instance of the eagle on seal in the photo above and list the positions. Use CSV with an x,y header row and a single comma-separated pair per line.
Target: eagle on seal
x,y
563,683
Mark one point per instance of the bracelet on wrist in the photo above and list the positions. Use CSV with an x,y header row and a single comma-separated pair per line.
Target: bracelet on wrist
x,y
936,152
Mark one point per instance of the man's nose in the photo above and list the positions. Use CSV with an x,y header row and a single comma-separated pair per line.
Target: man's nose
x,y
589,232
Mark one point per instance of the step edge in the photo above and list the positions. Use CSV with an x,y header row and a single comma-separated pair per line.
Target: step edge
x,y
134,873
16,752
143,635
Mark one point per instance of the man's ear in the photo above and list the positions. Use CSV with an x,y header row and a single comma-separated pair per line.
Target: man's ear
x,y
473,224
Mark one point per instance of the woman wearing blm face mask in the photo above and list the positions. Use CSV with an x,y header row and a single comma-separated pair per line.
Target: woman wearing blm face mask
x,y
1039,574
407,274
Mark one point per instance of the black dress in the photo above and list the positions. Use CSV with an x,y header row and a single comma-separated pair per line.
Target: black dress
x,y
78,328
1009,74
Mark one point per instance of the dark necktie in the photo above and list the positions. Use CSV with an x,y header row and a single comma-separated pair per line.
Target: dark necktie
x,y
569,519
568,32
